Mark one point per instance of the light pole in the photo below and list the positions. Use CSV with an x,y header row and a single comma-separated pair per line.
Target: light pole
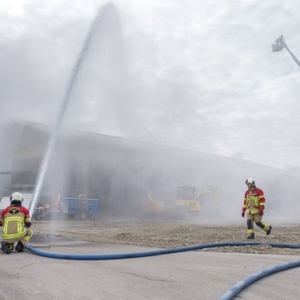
x,y
280,44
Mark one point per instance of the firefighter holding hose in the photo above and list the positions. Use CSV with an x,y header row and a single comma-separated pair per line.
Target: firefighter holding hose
x,y
254,205
16,221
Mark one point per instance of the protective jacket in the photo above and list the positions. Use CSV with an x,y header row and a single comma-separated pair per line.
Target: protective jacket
x,y
254,201
15,219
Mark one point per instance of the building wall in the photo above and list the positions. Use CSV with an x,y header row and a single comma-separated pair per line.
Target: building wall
x,y
120,172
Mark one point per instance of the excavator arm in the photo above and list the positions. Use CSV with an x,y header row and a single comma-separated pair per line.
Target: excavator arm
x,y
209,190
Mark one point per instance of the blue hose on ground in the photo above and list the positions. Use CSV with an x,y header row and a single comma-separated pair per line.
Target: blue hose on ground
x,y
237,288
150,253
229,295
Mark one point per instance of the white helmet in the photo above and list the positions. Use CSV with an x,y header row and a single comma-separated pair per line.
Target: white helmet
x,y
16,197
250,180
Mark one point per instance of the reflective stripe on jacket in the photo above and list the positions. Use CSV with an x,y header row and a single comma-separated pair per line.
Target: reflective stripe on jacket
x,y
254,201
14,219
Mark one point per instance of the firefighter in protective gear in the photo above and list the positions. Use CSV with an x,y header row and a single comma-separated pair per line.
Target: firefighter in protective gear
x,y
15,220
254,205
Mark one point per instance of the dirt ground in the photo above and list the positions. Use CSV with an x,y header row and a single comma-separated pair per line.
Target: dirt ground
x,y
172,234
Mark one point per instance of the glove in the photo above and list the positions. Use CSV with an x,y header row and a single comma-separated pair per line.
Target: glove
x,y
243,215
27,224
261,212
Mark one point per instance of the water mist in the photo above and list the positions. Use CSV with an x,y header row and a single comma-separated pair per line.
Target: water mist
x,y
106,9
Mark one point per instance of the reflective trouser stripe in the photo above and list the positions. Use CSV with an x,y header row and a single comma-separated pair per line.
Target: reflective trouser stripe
x,y
13,236
266,226
27,237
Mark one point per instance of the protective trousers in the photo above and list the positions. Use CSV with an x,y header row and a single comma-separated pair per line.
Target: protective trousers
x,y
28,233
257,218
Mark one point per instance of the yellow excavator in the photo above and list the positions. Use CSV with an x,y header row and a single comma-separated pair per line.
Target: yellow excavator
x,y
185,201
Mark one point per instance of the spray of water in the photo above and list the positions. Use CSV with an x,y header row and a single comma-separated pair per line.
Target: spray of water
x,y
68,93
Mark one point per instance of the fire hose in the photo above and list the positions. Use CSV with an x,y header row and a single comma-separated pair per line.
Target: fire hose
x,y
230,294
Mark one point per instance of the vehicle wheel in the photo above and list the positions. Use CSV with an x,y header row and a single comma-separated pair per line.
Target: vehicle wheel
x,y
38,216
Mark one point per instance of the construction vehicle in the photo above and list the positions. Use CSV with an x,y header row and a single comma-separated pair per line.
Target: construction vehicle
x,y
208,191
185,201
155,206
185,198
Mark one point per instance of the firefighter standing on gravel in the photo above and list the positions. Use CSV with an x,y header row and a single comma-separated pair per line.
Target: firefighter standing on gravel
x,y
254,205
16,221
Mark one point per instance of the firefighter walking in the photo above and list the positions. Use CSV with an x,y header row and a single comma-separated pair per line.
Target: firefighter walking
x,y
254,205
16,221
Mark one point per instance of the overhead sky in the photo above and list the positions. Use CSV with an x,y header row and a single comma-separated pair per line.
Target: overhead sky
x,y
192,74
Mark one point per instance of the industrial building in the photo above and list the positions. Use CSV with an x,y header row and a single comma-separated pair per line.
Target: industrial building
x,y
119,172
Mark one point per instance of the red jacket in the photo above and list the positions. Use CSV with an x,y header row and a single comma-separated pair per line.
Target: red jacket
x,y
254,201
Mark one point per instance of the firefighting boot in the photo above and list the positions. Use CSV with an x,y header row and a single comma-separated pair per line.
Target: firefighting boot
x,y
269,231
19,247
250,237
5,248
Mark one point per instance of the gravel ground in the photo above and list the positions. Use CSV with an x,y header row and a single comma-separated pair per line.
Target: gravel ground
x,y
171,234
